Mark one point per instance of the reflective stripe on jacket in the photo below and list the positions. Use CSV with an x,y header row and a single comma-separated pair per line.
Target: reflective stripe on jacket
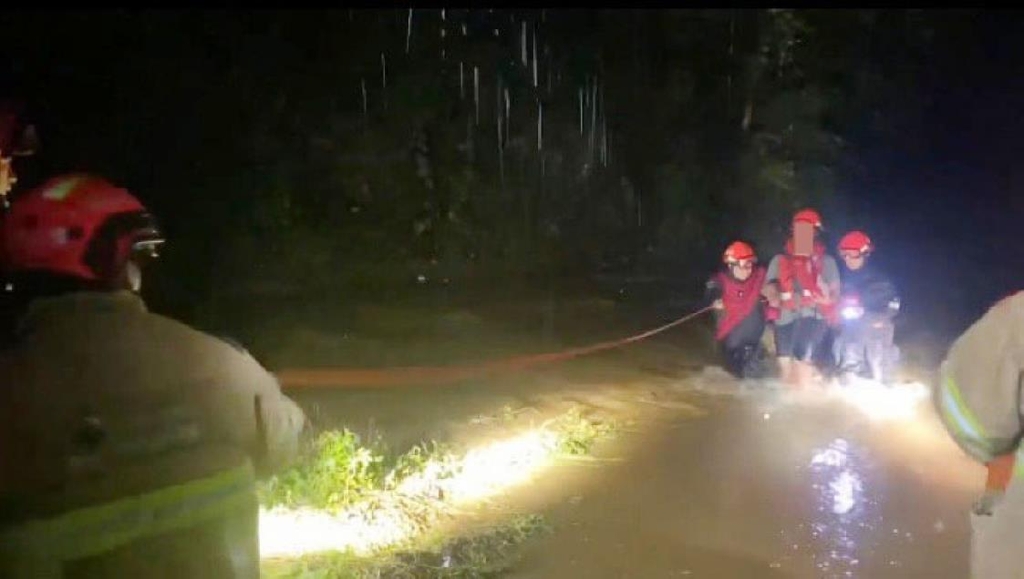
x,y
978,392
95,530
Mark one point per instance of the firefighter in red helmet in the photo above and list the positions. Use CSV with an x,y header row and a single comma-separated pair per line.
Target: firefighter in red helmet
x,y
868,304
129,442
740,323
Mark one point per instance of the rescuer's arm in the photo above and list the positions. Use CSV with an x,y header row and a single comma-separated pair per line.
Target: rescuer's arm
x,y
830,278
978,395
890,295
283,425
881,298
254,413
770,290
713,292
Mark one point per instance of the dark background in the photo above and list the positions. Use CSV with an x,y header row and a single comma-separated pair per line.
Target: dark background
x,y
246,133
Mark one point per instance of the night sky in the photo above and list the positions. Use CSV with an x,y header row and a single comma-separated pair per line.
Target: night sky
x,y
946,191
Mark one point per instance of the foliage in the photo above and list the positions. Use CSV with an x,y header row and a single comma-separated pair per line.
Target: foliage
x,y
341,469
297,157
578,434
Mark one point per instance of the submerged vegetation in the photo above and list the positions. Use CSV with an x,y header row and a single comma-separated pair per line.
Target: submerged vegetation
x,y
401,497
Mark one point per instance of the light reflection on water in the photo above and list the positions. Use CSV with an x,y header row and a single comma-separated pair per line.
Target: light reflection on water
x,y
842,510
846,514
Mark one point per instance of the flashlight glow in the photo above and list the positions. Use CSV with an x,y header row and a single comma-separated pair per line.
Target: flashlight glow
x,y
852,312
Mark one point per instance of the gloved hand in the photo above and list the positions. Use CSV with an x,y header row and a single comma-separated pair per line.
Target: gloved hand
x,y
985,505
999,471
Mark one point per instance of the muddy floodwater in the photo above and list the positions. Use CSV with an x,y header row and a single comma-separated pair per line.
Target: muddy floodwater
x,y
712,478
759,488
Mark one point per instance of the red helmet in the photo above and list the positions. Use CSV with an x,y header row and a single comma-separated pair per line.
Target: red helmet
x,y
808,216
737,252
76,225
856,242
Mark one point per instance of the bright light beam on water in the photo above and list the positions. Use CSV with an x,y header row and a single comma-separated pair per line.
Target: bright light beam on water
x,y
882,403
480,473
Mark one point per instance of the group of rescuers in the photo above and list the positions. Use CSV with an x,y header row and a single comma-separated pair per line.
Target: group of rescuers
x,y
806,300
977,394
130,443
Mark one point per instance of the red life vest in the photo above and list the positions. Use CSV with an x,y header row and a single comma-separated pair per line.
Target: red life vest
x,y
805,271
739,298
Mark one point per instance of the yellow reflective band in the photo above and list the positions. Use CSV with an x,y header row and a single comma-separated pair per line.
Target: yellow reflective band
x,y
94,530
956,412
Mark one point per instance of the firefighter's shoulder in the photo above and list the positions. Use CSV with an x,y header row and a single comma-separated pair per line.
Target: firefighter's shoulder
x,y
1013,301
201,348
232,342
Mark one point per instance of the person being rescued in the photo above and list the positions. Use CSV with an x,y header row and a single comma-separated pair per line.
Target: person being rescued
x,y
868,303
803,282
740,313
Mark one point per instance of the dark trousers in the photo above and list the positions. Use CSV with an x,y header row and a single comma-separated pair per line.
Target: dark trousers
x,y
865,348
741,348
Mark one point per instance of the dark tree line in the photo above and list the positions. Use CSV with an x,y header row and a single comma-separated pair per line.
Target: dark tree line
x,y
347,150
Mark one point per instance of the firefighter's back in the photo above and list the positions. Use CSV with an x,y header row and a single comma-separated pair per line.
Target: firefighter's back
x,y
128,442
126,449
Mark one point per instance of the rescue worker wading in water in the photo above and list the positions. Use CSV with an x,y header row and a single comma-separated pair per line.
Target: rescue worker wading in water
x,y
129,442
803,282
740,318
867,307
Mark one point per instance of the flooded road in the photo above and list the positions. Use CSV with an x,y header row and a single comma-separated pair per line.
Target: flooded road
x,y
711,479
761,488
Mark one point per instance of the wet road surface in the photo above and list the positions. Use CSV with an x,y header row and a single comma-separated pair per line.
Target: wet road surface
x,y
762,488
758,485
